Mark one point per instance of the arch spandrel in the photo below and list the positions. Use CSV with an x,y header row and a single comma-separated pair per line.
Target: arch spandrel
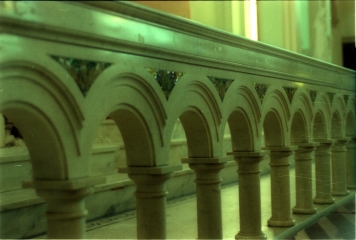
x,y
135,103
43,111
196,96
242,105
276,103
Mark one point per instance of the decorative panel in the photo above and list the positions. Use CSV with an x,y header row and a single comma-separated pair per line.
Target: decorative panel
x,y
221,85
261,89
346,99
313,95
290,93
331,97
166,79
84,72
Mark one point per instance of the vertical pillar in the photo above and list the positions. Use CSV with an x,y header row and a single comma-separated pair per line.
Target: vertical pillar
x,y
338,154
208,183
249,193
280,186
66,213
351,164
303,178
151,199
323,173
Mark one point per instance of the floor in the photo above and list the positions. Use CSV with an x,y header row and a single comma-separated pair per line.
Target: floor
x,y
338,223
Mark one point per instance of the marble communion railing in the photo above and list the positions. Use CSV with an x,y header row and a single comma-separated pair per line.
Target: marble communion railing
x,y
66,66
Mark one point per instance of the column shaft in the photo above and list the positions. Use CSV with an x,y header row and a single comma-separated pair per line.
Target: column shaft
x,y
339,169
303,180
323,174
249,194
66,213
280,188
208,200
351,164
151,205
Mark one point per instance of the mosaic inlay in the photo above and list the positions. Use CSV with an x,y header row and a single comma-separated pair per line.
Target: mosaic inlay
x,y
84,72
290,92
346,98
221,85
331,97
166,79
313,95
261,89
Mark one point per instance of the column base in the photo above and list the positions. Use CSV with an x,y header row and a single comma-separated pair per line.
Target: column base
x,y
281,223
324,201
304,210
351,186
340,193
250,236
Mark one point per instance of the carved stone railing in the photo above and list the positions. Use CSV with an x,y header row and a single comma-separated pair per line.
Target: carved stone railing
x,y
66,66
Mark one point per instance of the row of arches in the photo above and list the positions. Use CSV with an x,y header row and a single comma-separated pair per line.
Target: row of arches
x,y
59,123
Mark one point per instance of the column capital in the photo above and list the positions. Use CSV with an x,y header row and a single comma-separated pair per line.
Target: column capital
x,y
281,148
308,145
342,141
72,184
254,154
207,160
151,170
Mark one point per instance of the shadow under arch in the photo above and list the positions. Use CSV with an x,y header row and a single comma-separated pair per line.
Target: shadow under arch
x,y
298,128
350,125
135,134
273,130
197,133
319,127
42,139
336,128
241,133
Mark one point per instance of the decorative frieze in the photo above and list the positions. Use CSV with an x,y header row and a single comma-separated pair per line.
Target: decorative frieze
x,y
84,72
166,79
313,95
221,85
290,92
331,97
261,89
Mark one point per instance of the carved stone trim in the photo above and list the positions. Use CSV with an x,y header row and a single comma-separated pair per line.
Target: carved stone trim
x,y
84,72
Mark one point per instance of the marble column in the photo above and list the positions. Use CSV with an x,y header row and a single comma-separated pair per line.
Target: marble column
x,y
66,213
280,186
323,173
249,193
208,183
151,198
303,178
338,154
351,164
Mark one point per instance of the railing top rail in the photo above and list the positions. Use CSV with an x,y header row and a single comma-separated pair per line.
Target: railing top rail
x,y
135,29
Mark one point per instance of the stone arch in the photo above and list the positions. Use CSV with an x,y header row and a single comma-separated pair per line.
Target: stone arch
x,y
323,107
242,111
338,117
302,109
319,127
275,117
47,115
350,125
135,104
195,101
336,125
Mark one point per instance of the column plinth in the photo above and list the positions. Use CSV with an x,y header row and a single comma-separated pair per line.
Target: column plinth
x,y
208,196
150,199
323,173
249,194
338,153
66,213
303,178
280,186
351,164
